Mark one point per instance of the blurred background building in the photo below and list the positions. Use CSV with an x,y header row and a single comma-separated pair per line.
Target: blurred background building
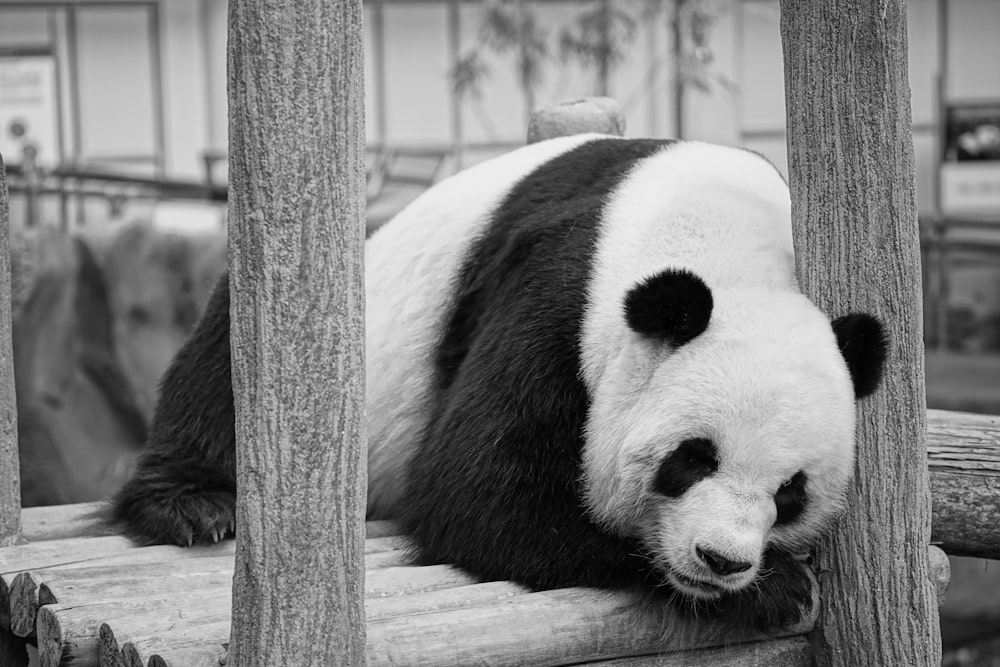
x,y
113,128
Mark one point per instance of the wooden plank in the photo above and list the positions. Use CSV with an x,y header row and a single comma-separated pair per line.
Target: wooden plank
x,y
567,626
561,627
71,634
71,554
56,522
395,581
102,583
461,597
787,652
188,642
140,608
139,556
964,460
14,560
451,598
194,656
59,552
106,583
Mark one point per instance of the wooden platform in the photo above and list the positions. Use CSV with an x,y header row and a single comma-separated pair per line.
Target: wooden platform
x,y
87,598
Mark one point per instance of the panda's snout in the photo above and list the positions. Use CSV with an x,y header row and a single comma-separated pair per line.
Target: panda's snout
x,y
721,565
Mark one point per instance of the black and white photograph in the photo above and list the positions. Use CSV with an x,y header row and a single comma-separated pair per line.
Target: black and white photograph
x,y
508,333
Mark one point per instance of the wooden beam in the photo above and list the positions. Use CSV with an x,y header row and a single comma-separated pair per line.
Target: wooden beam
x,y
964,461
54,522
568,626
59,522
857,248
788,652
297,228
560,627
10,474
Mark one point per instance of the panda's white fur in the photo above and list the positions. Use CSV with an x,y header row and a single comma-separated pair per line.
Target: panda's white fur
x,y
765,382
411,265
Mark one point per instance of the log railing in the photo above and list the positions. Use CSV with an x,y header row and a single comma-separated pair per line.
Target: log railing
x,y
173,603
964,460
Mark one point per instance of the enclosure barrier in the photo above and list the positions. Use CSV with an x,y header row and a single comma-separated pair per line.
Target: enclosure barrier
x,y
88,598
91,599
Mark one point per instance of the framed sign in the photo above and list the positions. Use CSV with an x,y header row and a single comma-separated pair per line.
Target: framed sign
x,y
970,171
28,112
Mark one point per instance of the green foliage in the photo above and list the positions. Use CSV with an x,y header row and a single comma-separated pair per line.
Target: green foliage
x,y
469,73
599,36
507,26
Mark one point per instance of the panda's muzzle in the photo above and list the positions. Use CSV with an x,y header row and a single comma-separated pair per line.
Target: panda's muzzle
x,y
695,583
721,565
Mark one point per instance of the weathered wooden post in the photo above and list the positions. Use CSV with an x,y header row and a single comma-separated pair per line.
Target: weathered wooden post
x,y
296,142
10,477
851,165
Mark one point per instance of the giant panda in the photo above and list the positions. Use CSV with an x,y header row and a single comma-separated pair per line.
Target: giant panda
x,y
588,364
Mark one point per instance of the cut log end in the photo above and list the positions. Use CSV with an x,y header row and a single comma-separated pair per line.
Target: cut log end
x,y
23,597
589,114
50,639
108,653
130,656
940,572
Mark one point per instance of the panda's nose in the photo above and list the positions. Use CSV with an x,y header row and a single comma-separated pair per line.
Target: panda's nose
x,y
720,564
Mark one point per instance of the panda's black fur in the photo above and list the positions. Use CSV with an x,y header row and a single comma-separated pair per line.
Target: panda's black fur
x,y
513,335
183,489
494,483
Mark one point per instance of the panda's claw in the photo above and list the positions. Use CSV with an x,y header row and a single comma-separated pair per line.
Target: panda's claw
x,y
157,512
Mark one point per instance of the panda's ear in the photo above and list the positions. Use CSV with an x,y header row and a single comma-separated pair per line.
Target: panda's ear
x,y
672,306
864,344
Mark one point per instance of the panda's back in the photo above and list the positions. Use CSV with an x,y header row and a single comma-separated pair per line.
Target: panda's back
x,y
508,254
412,266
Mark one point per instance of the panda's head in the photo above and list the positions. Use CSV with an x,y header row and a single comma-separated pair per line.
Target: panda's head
x,y
725,424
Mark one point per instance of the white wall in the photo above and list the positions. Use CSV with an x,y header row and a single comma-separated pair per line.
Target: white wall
x,y
116,109
116,97
186,91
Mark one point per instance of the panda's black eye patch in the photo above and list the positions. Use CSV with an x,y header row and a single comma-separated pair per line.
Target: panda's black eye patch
x,y
692,461
791,499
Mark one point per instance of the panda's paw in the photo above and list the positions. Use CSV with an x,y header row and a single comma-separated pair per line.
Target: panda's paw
x,y
171,511
782,597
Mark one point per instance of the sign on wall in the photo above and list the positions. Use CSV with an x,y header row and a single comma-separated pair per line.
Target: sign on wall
x,y
970,173
28,107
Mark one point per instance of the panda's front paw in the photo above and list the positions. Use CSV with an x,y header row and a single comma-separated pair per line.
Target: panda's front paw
x,y
780,597
166,509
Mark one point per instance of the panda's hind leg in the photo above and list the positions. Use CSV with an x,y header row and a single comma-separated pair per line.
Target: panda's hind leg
x,y
183,488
